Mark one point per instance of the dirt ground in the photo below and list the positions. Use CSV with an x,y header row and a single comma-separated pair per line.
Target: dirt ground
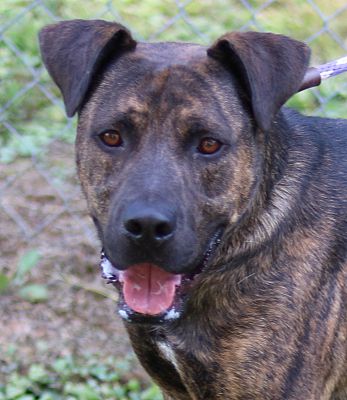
x,y
42,209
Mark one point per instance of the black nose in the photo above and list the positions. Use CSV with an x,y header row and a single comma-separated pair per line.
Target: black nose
x,y
155,224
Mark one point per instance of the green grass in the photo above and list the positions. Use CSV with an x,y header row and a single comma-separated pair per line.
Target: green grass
x,y
68,378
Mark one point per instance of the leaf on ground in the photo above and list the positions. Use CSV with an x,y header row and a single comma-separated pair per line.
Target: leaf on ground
x,y
34,293
26,263
38,373
4,282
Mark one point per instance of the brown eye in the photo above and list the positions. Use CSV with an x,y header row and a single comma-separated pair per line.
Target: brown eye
x,y
111,139
209,146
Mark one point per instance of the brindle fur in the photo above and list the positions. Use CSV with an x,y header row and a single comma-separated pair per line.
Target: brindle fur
x,y
267,318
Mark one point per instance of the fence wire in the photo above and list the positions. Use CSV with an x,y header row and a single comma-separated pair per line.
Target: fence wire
x,y
39,198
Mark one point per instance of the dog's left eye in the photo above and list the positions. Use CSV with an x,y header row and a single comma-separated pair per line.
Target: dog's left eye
x,y
111,138
209,145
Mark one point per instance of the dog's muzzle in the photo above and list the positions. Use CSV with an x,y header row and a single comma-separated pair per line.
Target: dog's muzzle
x,y
150,294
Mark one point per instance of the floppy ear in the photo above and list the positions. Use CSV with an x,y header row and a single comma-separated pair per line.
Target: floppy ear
x,y
271,67
73,51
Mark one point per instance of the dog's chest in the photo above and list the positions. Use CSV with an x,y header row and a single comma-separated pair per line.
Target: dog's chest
x,y
190,382
167,352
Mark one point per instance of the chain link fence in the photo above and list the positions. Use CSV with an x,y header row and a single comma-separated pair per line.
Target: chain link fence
x,y
40,202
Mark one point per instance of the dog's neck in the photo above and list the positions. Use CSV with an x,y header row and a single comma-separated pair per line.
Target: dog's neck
x,y
273,200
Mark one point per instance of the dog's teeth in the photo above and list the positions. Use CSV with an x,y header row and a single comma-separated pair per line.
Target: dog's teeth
x,y
123,314
172,314
108,270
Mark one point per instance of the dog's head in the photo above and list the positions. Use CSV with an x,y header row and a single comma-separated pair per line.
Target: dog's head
x,y
169,146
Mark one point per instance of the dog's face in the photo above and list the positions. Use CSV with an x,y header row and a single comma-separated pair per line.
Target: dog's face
x,y
169,149
162,173
165,165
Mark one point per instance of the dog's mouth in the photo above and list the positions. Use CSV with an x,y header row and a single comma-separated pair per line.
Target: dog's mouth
x,y
150,294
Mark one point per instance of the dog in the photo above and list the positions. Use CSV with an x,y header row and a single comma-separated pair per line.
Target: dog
x,y
222,214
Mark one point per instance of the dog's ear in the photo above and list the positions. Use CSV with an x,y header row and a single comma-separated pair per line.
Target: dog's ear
x,y
73,51
271,67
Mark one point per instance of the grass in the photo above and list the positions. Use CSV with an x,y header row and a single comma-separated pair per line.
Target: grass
x,y
69,378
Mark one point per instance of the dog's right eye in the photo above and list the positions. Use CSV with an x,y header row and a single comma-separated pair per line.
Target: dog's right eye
x,y
111,138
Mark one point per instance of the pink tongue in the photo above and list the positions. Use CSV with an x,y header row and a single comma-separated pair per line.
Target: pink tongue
x,y
148,289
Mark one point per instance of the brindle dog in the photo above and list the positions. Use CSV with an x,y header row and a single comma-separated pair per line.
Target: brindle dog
x,y
223,216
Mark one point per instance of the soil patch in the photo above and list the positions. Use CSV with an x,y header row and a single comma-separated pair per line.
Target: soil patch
x,y
42,210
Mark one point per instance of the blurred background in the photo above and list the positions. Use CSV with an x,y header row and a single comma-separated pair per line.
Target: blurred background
x,y
60,337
